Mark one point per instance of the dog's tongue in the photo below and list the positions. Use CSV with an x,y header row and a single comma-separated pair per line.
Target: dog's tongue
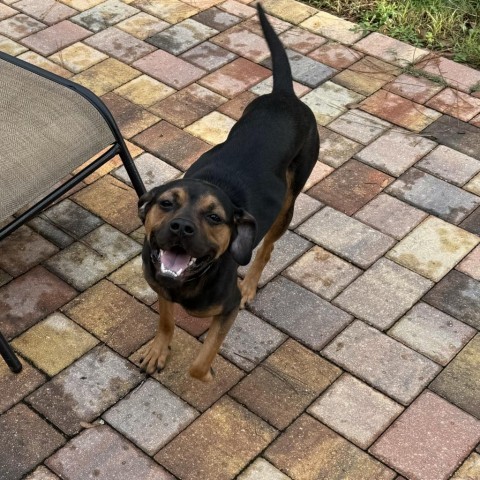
x,y
175,262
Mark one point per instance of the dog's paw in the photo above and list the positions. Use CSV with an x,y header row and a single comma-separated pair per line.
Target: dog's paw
x,y
248,290
155,358
199,374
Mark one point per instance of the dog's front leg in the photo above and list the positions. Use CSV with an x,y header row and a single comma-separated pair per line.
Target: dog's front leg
x,y
157,352
201,367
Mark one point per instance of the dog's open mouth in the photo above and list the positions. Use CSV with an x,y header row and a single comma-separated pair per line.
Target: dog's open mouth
x,y
176,262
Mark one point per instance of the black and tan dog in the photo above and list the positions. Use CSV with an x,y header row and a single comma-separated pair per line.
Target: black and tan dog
x,y
200,228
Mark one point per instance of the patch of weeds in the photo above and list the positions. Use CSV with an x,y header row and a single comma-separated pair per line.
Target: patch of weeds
x,y
415,72
449,26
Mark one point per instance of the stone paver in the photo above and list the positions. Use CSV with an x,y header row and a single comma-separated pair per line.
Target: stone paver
x,y
350,187
250,340
346,237
54,343
150,416
459,382
26,440
395,151
431,332
285,383
102,452
336,273
316,386
309,450
85,389
239,433
390,215
383,293
458,295
413,446
392,368
303,315
433,195
433,248
355,410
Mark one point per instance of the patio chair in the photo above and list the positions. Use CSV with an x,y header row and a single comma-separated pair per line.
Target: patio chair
x,y
49,126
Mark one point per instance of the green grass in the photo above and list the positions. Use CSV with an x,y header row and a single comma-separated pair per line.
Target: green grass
x,y
449,26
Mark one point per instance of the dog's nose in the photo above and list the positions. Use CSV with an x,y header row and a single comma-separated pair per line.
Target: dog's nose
x,y
182,227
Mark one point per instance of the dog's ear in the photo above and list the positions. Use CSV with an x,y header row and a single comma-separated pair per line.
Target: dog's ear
x,y
144,204
241,247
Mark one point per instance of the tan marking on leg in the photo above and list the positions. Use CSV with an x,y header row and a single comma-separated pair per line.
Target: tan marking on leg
x,y
201,367
248,286
157,352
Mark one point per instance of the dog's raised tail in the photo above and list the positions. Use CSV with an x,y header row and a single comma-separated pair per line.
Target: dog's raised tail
x,y
282,74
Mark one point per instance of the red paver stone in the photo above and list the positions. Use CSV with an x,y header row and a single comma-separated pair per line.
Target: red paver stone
x,y
417,89
47,11
243,42
30,298
430,440
301,40
25,440
102,453
336,55
169,69
56,37
455,74
24,249
238,9
399,110
350,187
235,77
455,103
177,147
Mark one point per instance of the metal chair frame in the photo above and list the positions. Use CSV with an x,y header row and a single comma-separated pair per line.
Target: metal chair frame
x,y
119,147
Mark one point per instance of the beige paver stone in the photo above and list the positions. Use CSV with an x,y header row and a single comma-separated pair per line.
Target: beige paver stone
x,y
130,278
228,428
288,10
319,172
78,57
144,91
39,61
261,469
42,473
355,410
333,27
433,248
172,11
329,101
106,76
473,185
471,264
470,469
142,25
82,4
9,46
54,343
212,128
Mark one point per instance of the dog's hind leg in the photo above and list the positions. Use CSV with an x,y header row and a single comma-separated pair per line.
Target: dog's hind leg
x,y
248,286
156,355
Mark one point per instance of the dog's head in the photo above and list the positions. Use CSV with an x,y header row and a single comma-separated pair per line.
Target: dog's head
x,y
189,224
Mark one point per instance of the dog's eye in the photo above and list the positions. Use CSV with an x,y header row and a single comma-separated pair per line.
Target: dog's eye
x,y
166,204
214,218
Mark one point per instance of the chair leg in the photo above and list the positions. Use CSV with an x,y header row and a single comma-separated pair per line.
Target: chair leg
x,y
9,355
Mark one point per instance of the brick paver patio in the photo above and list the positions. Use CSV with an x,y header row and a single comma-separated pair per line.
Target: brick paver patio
x,y
359,358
